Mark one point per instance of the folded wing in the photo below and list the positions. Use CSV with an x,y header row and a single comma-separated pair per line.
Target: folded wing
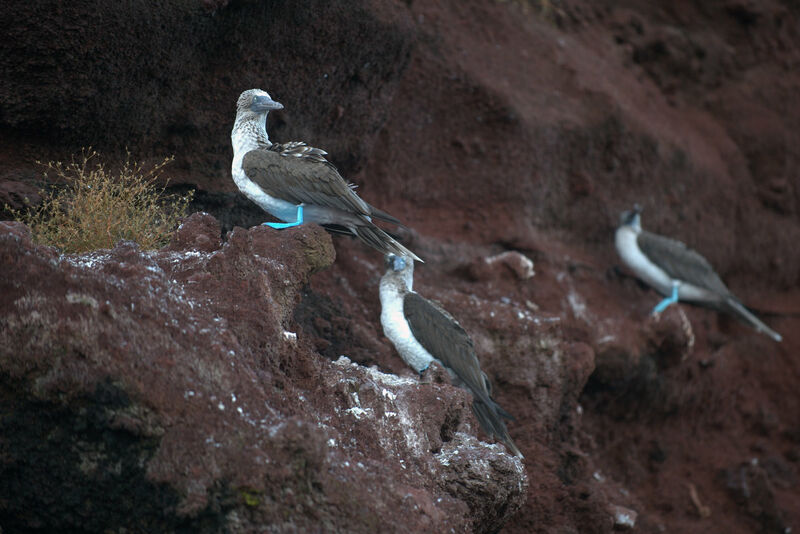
x,y
301,175
681,262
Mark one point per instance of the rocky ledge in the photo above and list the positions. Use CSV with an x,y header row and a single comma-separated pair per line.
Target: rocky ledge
x,y
170,391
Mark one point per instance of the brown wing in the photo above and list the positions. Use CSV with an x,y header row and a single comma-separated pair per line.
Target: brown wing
x,y
681,262
300,174
299,149
443,337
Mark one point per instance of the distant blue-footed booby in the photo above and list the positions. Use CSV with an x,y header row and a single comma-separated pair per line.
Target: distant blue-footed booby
x,y
295,183
421,331
677,272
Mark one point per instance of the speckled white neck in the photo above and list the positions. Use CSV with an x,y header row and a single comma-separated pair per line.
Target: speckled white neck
x,y
249,133
395,326
646,270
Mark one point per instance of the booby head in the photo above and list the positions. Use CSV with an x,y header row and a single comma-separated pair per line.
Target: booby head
x,y
256,101
632,218
399,271
253,106
396,263
250,128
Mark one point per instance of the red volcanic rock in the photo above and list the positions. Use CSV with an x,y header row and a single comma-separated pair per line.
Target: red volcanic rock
x,y
671,336
752,488
486,127
200,231
163,391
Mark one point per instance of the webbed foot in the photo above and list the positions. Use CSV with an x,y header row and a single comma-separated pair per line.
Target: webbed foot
x,y
279,226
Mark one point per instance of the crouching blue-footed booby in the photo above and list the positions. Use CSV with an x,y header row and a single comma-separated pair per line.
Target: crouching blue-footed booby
x,y
421,332
295,183
677,272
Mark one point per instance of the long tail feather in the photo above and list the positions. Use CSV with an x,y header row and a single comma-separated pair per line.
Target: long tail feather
x,y
735,307
380,240
382,215
492,423
338,229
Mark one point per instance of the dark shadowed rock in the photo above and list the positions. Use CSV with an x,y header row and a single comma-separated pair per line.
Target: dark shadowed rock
x,y
131,76
749,485
17,195
670,337
163,392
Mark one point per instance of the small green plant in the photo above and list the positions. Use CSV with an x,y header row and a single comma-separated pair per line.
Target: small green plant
x,y
93,208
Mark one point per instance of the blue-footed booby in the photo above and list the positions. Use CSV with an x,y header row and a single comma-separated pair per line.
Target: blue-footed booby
x,y
295,183
677,272
421,331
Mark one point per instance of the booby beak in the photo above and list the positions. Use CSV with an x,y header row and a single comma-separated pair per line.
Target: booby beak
x,y
262,103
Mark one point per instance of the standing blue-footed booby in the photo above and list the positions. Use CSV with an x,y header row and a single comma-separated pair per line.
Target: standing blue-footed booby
x,y
421,332
295,183
677,272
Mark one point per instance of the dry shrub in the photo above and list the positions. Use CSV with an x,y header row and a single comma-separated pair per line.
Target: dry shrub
x,y
93,208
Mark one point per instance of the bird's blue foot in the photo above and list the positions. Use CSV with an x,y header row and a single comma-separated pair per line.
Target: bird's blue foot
x,y
298,222
664,304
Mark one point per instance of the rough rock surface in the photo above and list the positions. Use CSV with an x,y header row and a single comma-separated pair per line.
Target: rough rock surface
x,y
507,129
167,383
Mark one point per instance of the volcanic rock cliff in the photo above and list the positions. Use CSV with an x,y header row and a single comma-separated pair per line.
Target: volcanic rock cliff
x,y
238,379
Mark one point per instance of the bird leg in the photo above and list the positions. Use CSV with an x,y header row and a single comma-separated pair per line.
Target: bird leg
x,y
664,304
434,373
298,222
